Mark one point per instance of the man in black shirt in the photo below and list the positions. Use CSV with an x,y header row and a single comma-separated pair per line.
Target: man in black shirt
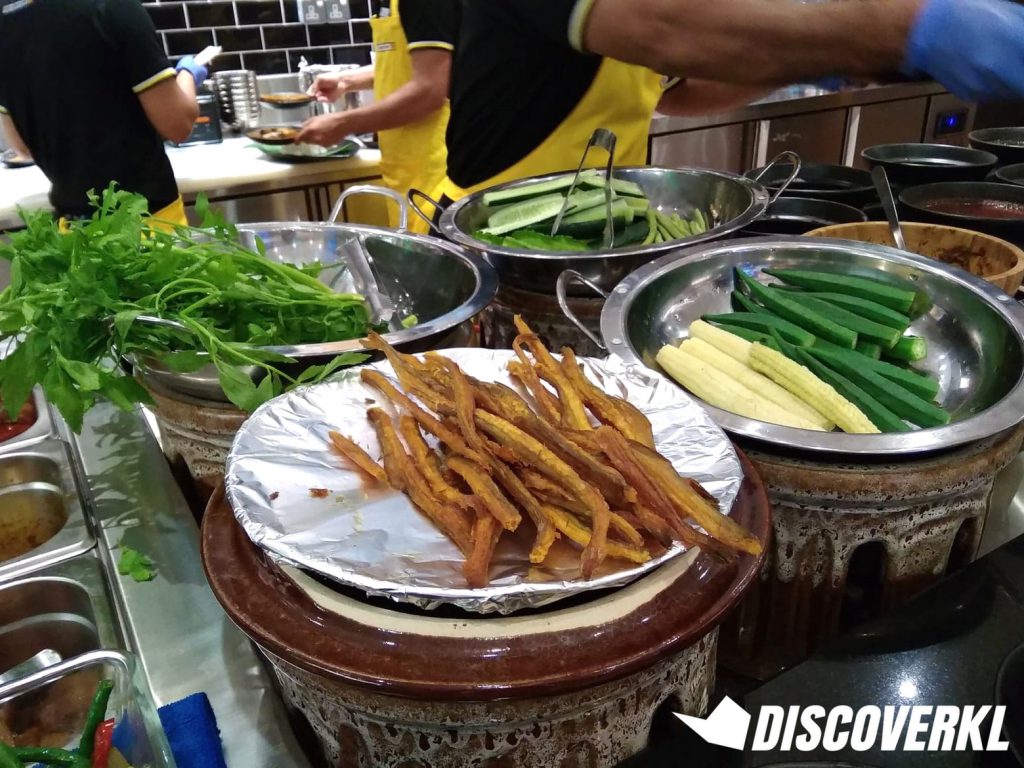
x,y
87,91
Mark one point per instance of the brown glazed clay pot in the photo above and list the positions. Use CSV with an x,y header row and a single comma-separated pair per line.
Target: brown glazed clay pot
x,y
853,541
387,686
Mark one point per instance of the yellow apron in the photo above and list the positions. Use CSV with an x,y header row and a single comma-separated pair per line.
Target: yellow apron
x,y
413,155
164,219
622,98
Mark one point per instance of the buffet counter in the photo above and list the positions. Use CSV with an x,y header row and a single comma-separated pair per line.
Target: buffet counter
x,y
248,185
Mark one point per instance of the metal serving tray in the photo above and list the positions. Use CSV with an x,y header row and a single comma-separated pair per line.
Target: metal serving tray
x,y
40,480
42,429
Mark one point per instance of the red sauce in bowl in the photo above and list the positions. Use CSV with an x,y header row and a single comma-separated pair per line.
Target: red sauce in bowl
x,y
26,418
979,209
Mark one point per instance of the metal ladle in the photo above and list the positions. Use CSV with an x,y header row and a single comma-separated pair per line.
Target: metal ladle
x,y
881,180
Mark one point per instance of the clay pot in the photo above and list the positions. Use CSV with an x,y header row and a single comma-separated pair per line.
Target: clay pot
x,y
387,686
995,260
853,541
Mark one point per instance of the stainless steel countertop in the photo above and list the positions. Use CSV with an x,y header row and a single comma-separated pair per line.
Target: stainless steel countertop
x,y
184,640
784,104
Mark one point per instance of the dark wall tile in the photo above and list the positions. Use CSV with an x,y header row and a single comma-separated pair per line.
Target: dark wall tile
x,y
285,36
313,56
260,11
181,43
329,34
167,15
240,39
291,10
225,62
272,63
361,32
351,54
210,15
360,9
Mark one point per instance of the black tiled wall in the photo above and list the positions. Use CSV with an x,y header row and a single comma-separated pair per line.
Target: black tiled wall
x,y
262,35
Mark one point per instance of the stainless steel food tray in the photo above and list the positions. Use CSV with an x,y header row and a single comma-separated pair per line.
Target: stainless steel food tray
x,y
42,429
44,471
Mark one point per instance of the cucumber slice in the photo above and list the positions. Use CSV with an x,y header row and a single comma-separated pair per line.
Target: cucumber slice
x,y
765,323
528,191
877,414
633,234
873,290
638,204
796,312
584,200
909,406
524,214
590,222
621,186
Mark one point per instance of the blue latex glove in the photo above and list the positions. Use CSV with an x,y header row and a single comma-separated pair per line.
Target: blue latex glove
x,y
198,71
975,48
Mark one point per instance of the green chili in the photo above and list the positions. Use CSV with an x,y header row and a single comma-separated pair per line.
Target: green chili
x,y
51,756
8,757
97,714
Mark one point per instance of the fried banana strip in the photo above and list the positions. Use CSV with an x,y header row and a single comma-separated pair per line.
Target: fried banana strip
x,y
486,532
574,414
610,410
391,448
577,532
426,420
427,463
543,459
487,492
693,504
356,456
404,476
546,402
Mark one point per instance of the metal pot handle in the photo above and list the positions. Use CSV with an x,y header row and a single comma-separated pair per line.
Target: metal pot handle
x,y
793,158
411,196
561,286
370,189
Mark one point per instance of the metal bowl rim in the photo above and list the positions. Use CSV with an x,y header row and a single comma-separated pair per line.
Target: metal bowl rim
x,y
759,194
867,186
1000,186
868,153
1002,415
485,290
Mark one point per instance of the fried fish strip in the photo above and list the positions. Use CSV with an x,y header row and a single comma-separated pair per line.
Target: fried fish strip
x,y
412,373
487,492
543,459
577,532
514,487
614,411
356,456
391,448
428,421
427,463
654,525
574,414
465,403
688,502
486,533
546,402
617,523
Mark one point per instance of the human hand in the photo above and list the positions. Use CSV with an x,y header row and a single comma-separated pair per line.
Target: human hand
x,y
324,130
189,64
328,88
972,47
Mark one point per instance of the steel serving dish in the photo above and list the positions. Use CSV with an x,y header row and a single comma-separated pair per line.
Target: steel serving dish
x,y
733,201
975,334
914,205
400,274
927,163
1005,143
838,183
38,493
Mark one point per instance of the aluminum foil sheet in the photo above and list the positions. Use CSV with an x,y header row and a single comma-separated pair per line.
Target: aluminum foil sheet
x,y
299,502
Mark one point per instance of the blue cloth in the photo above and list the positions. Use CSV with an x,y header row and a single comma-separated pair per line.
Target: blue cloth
x,y
975,48
191,729
198,71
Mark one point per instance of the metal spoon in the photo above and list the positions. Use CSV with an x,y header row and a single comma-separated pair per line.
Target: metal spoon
x,y
881,180
45,658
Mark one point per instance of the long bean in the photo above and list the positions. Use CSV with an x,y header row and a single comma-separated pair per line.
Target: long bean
x,y
97,714
8,757
51,756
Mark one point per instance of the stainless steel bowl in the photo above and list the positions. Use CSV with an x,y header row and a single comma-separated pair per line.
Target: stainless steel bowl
x,y
975,334
399,273
733,201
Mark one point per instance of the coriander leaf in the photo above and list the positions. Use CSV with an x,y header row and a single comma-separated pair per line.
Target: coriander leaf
x,y
238,386
123,321
135,564
17,375
85,376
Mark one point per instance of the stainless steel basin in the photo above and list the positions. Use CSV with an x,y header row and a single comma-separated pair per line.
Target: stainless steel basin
x,y
41,516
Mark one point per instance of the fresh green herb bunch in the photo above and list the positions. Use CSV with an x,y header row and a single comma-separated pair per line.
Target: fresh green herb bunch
x,y
74,298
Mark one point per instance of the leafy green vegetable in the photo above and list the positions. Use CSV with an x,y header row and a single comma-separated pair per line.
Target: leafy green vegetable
x,y
75,298
533,240
135,564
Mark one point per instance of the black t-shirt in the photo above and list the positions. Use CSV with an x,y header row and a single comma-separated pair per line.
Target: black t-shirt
x,y
430,23
70,75
517,74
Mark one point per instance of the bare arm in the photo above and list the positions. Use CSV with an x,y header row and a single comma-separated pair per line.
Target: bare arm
x,y
12,137
171,106
327,88
693,98
424,94
752,41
